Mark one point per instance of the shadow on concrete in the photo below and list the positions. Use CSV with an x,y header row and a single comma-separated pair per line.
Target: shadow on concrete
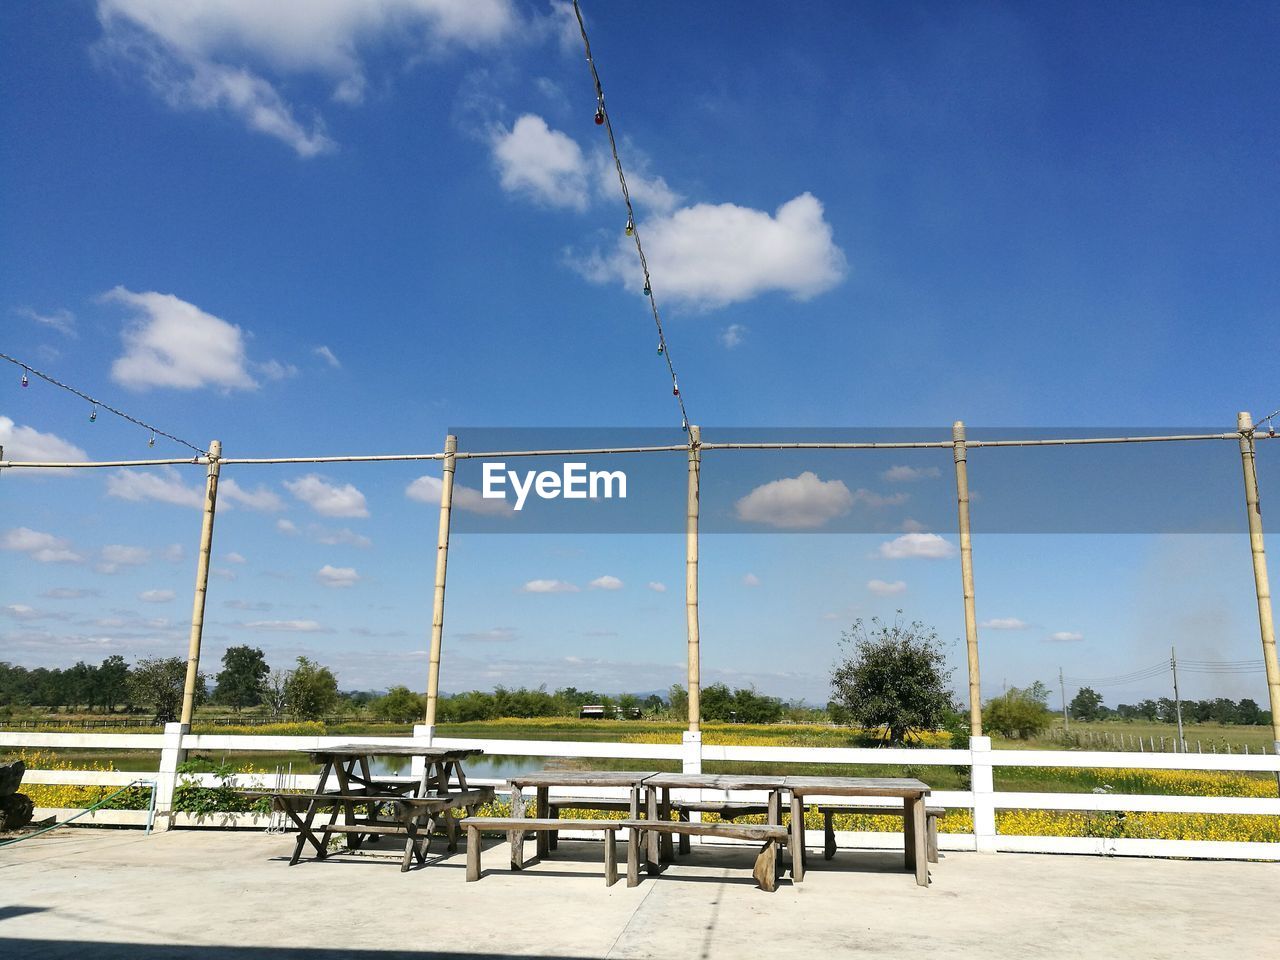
x,y
23,949
8,913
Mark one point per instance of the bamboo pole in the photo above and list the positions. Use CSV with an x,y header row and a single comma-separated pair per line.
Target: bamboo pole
x,y
960,450
691,579
202,582
1261,582
442,564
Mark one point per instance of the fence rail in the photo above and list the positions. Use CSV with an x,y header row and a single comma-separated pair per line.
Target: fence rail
x,y
983,800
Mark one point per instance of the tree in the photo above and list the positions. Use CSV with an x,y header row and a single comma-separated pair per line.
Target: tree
x,y
273,692
1018,713
400,705
243,676
311,691
678,698
111,683
1086,705
158,683
893,676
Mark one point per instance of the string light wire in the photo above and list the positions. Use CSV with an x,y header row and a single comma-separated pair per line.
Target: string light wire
x,y
95,404
633,230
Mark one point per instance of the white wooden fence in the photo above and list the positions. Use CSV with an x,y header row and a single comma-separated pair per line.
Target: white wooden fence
x,y
982,799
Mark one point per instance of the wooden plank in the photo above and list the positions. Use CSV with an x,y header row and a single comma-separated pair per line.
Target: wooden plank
x,y
797,839
515,837
581,778
633,858
858,786
532,824
356,750
737,831
919,833
610,858
473,853
765,870
714,781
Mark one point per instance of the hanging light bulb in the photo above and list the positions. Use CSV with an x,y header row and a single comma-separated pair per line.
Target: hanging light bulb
x,y
675,390
152,441
631,227
93,414
662,348
684,424
24,378
647,292
600,116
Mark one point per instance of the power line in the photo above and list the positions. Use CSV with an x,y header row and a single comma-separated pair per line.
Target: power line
x,y
93,415
632,229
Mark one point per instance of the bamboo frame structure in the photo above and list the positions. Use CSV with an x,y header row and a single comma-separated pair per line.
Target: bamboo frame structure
x,y
959,444
1261,581
442,566
691,579
960,452
202,582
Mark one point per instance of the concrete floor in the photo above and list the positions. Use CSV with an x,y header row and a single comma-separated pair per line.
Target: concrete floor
x,y
219,894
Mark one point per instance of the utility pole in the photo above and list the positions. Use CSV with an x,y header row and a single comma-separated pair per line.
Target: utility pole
x,y
213,458
1177,703
1066,722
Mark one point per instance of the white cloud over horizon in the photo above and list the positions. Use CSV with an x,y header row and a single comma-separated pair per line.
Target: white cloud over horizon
x,y
427,489
804,502
29,444
886,588
328,499
928,546
39,546
1004,623
548,586
338,577
217,55
605,582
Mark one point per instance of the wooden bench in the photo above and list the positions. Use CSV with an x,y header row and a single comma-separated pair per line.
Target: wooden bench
x,y
829,834
516,827
726,811
414,818
775,836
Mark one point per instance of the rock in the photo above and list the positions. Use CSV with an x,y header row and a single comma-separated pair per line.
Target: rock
x,y
15,811
11,777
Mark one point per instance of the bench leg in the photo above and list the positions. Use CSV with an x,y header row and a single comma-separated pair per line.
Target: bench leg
x,y
908,835
553,839
828,835
410,846
765,871
515,836
664,840
933,839
633,858
450,830
684,837
919,832
543,844
610,858
473,853
653,858
797,839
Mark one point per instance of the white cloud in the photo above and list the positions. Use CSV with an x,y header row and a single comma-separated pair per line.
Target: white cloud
x,y
426,489
647,191
20,611
328,499
1066,636
275,370
904,474
1005,623
606,582
541,164
28,443
156,596
886,588
338,577
287,526
750,580
61,320
69,593
234,557
327,355
259,498
288,626
174,553
929,546
804,501
731,335
710,255
165,486
657,587
202,54
173,343
913,526
548,586
40,547
116,555
343,537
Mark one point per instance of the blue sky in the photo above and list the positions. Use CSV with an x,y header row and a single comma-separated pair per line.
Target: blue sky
x,y
336,228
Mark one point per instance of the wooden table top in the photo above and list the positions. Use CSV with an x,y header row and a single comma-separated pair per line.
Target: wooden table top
x,y
580,778
715,781
857,786
347,750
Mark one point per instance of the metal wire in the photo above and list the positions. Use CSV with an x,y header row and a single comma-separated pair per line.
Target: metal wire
x,y
155,431
602,113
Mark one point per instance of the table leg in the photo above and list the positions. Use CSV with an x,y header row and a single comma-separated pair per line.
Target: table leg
x,y
540,811
344,771
304,828
664,839
919,833
652,857
797,838
908,835
516,837
775,819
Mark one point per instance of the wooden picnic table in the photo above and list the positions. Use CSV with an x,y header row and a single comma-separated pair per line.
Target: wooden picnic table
x,y
391,806
543,780
911,791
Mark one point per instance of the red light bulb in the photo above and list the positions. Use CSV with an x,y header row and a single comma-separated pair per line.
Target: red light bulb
x,y
599,116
